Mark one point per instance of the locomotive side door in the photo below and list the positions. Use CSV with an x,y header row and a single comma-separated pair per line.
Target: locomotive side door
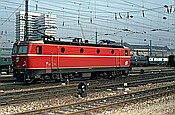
x,y
57,57
54,58
49,63
118,57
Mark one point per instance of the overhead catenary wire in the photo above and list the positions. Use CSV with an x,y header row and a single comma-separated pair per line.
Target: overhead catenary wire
x,y
12,13
101,14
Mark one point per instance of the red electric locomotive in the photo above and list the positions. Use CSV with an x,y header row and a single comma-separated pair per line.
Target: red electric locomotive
x,y
57,60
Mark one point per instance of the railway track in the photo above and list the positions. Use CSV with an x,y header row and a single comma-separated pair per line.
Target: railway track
x,y
60,91
16,86
7,78
136,70
17,89
42,90
87,107
150,68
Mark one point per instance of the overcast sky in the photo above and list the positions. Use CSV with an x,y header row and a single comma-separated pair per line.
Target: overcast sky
x,y
132,21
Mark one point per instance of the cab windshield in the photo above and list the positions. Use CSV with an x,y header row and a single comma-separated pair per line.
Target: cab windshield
x,y
14,49
22,49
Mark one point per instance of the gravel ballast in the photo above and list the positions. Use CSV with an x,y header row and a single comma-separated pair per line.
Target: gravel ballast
x,y
159,106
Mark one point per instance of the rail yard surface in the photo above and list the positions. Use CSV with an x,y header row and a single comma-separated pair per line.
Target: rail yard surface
x,y
149,94
87,57
161,106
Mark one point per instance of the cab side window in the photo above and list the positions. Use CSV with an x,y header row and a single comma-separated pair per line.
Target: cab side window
x,y
39,50
126,52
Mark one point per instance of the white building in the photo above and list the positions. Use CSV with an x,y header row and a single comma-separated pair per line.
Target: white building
x,y
37,23
20,24
46,25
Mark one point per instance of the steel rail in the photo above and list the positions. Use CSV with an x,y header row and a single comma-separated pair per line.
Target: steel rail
x,y
72,90
86,106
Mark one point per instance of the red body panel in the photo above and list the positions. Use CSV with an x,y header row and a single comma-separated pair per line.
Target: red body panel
x,y
52,57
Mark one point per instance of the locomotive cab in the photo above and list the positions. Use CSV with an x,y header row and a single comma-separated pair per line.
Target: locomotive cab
x,y
19,60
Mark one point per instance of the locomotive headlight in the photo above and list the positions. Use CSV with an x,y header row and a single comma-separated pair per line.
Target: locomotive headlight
x,y
13,65
17,59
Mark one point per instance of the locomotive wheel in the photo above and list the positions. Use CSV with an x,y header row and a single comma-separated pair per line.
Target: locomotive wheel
x,y
33,81
46,77
7,72
118,73
20,78
57,80
93,76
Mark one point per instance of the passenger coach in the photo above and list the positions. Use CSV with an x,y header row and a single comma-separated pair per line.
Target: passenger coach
x,y
57,60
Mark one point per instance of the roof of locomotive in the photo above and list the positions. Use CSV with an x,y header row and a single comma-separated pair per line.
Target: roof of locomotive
x,y
71,43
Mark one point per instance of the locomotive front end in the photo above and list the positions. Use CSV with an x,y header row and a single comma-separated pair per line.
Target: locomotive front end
x,y
19,60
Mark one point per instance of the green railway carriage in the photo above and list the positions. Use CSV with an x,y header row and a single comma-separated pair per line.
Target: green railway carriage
x,y
5,60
